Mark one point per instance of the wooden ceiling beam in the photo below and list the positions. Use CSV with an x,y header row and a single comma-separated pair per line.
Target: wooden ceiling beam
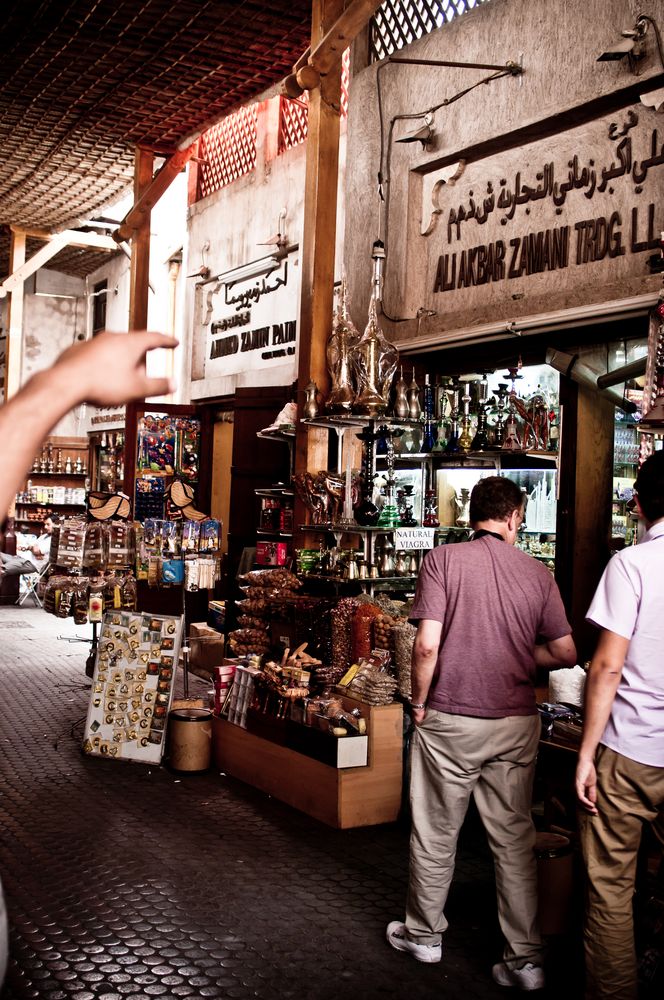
x,y
162,180
55,243
323,56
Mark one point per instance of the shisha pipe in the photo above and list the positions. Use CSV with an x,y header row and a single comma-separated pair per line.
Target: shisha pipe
x,y
481,440
452,447
511,439
366,512
389,515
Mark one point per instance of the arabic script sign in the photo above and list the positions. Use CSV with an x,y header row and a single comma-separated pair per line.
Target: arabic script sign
x,y
250,322
583,202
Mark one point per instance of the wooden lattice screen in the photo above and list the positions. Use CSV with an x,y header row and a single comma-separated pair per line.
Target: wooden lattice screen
x,y
399,22
294,115
227,150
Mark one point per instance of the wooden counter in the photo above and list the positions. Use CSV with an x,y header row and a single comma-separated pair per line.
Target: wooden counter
x,y
344,798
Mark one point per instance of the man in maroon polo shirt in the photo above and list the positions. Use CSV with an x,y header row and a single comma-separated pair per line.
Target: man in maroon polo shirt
x,y
488,615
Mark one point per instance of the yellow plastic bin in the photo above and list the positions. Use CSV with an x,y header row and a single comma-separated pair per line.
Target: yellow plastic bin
x,y
555,878
190,739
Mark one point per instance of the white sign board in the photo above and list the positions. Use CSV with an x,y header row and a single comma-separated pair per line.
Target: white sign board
x,y
249,316
414,538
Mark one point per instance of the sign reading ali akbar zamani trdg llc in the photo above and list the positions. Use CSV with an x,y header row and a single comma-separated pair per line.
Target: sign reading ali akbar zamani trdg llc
x,y
250,322
589,195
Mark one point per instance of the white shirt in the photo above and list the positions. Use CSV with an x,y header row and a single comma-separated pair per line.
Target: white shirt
x,y
43,544
630,602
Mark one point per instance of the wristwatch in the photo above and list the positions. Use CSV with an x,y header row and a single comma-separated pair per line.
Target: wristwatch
x,y
413,705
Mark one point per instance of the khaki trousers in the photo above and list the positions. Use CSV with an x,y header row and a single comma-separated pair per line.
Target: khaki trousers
x,y
629,795
452,757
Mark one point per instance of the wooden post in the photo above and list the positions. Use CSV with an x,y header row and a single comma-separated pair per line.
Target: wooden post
x,y
139,286
319,237
139,276
15,317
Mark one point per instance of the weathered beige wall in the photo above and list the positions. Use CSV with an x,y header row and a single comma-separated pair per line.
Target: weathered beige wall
x,y
227,229
509,131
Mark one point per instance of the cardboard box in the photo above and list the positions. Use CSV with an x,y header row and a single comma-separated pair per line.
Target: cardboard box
x,y
271,553
206,646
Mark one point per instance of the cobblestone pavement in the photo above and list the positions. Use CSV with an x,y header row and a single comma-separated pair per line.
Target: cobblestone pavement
x,y
124,880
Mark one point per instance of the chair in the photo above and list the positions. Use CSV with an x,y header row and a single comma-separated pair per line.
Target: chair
x,y
33,580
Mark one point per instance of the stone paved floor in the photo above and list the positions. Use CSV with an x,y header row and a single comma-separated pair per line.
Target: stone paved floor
x,y
124,880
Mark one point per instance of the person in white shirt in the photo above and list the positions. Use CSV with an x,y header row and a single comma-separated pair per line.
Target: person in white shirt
x,y
620,772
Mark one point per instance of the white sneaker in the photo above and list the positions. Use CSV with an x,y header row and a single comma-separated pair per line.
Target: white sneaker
x,y
396,935
528,977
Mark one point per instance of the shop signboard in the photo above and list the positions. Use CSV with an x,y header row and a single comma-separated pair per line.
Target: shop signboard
x,y
132,686
413,538
104,418
248,317
564,220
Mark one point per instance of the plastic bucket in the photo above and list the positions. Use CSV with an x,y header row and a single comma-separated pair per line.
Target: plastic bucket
x,y
190,739
555,879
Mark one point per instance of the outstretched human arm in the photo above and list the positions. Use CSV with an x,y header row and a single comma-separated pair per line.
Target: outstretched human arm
x,y
108,370
602,683
423,663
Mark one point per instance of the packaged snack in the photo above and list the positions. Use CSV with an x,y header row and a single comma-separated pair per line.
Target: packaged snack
x,y
191,533
210,537
172,571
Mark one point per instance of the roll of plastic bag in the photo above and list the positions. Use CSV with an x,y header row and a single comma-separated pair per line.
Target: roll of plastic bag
x,y
567,685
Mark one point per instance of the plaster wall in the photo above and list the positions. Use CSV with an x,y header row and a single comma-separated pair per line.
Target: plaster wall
x,y
563,105
168,236
228,228
50,325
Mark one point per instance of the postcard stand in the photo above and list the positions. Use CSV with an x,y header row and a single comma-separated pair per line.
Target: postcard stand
x,y
132,686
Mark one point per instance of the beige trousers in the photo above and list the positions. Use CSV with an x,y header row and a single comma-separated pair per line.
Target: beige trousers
x,y
452,757
629,795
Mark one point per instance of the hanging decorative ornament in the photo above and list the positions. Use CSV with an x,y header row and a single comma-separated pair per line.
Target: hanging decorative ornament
x,y
373,358
342,340
374,362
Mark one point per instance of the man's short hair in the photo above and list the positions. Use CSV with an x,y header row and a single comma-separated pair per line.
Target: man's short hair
x,y
649,486
494,498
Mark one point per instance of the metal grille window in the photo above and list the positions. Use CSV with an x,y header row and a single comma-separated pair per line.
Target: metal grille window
x,y
227,150
294,115
399,22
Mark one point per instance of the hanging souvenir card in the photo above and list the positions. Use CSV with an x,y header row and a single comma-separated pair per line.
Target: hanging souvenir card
x,y
132,686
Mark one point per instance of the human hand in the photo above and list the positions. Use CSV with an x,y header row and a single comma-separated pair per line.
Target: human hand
x,y
110,369
586,785
418,715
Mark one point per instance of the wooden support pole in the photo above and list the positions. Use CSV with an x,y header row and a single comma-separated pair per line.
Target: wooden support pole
x,y
14,352
319,237
139,275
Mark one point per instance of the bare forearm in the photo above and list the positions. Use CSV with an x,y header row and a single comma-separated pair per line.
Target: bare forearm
x,y
24,423
601,686
422,671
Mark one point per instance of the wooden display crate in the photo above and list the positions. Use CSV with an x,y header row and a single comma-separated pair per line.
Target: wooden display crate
x,y
343,798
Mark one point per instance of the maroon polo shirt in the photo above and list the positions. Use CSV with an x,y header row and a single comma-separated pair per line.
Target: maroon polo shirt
x,y
494,603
